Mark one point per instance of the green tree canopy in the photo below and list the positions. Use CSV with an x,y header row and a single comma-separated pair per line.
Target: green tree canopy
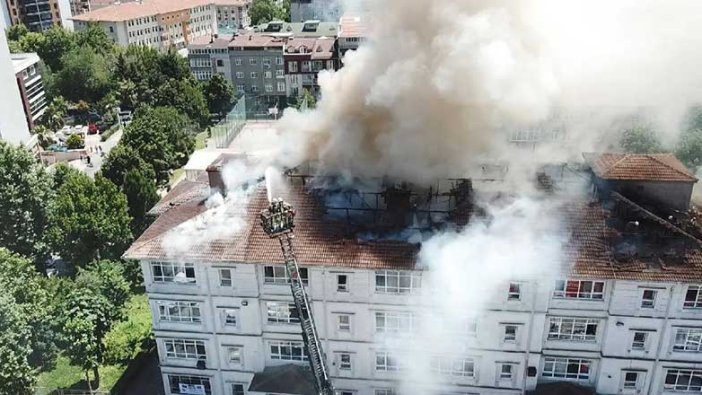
x,y
89,220
186,96
306,100
16,32
689,149
219,94
640,140
141,195
85,76
16,374
262,11
57,43
20,281
162,138
122,159
95,38
25,190
55,113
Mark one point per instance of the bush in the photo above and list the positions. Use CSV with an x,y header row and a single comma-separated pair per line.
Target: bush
x,y
74,141
127,338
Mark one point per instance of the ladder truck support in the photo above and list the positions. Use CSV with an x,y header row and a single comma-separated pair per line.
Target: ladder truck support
x,y
277,222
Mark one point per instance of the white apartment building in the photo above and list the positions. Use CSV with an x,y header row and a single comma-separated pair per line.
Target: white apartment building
x,y
13,125
232,15
618,320
31,86
160,24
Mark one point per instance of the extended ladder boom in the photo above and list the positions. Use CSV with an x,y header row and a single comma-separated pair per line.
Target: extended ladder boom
x,y
277,222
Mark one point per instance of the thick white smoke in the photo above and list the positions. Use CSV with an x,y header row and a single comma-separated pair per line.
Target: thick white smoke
x,y
439,84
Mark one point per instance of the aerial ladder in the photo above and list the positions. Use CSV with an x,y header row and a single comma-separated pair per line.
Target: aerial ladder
x,y
277,222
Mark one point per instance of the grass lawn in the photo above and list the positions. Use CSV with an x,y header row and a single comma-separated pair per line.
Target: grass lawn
x,y
176,176
201,140
67,376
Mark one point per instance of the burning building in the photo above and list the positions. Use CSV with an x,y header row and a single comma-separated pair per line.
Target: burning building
x,y
620,314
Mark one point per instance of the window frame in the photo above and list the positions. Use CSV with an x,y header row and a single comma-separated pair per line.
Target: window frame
x,y
452,366
514,292
687,345
285,313
278,275
639,345
342,286
196,344
392,322
501,373
561,290
173,267
567,362
574,324
697,302
292,345
510,338
165,315
345,365
341,326
682,372
392,281
225,281
239,350
648,303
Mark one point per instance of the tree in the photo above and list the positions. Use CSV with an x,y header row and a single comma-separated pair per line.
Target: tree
x,y
89,220
161,136
219,94
57,43
16,32
95,38
74,141
184,95
640,140
44,135
16,375
689,149
262,11
20,281
107,279
55,113
121,159
306,100
141,196
85,76
32,42
25,190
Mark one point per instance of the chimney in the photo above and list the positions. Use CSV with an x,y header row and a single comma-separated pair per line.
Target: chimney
x,y
214,175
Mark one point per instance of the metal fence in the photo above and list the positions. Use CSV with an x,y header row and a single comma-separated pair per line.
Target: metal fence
x,y
224,132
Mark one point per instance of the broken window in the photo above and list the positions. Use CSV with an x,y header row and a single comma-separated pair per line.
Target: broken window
x,y
393,281
168,272
282,313
574,289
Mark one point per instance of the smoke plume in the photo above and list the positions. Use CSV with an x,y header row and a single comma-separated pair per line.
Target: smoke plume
x,y
439,86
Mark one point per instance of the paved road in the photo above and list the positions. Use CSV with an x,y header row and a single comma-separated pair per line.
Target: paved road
x,y
91,144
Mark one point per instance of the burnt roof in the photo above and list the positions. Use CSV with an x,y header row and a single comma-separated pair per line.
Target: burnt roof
x,y
320,241
639,167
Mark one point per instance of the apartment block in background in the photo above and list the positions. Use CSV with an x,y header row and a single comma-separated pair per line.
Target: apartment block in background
x,y
38,15
621,314
82,6
31,86
159,24
304,59
352,31
232,15
13,125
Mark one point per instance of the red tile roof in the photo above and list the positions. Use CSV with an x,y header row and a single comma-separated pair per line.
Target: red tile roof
x,y
321,242
639,167
135,9
352,26
316,48
255,40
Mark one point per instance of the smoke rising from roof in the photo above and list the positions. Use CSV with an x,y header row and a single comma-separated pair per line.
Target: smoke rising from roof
x,y
439,85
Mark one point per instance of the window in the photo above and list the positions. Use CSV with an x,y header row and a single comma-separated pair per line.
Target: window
x,y
344,321
688,340
385,362
179,311
254,88
288,351
278,275
282,313
234,355
252,62
281,86
238,389
510,334
384,391
279,60
225,277
399,282
184,349
317,65
685,380
394,322
170,272
330,65
279,73
267,74
292,67
639,342
189,385
514,291
306,66
505,371
266,62
693,297
631,380
648,299
240,87
572,329
342,283
237,61
568,368
573,289
254,74
345,361
452,366
269,88
230,317
220,63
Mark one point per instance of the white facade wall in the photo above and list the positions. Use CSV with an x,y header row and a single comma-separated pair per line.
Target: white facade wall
x,y
609,351
13,124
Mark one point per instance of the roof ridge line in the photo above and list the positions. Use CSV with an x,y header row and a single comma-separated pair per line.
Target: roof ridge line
x,y
617,163
669,166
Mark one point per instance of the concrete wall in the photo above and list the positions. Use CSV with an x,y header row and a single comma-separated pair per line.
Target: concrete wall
x,y
13,124
670,194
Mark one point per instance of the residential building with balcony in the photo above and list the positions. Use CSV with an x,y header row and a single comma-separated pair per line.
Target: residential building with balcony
x,y
232,15
622,314
13,125
159,24
352,31
38,15
31,86
304,58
